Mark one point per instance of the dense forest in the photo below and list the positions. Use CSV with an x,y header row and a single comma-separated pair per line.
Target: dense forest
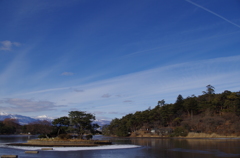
x,y
206,113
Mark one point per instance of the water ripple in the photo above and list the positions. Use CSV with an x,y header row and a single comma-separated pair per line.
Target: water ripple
x,y
215,152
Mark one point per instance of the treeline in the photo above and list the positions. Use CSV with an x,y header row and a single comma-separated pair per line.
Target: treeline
x,y
9,126
206,113
12,126
78,123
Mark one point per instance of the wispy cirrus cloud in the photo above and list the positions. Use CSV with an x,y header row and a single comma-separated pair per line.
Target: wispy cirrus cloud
x,y
7,45
27,105
114,112
99,112
127,101
139,90
46,90
106,95
104,112
225,19
78,90
67,74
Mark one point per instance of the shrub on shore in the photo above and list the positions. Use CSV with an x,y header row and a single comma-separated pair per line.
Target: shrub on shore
x,y
179,132
64,136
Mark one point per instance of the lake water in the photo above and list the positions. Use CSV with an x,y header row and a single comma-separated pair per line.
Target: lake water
x,y
132,148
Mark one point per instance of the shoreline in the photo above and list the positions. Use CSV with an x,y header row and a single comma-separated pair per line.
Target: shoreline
x,y
53,145
212,135
62,143
191,135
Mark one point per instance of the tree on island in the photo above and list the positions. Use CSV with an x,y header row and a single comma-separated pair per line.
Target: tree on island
x,y
81,122
61,125
42,127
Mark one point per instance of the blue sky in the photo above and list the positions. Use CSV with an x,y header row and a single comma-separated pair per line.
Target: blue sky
x,y
111,58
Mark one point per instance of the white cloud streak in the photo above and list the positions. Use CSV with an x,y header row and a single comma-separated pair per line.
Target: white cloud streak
x,y
47,90
67,74
213,13
27,105
7,45
106,96
139,90
13,69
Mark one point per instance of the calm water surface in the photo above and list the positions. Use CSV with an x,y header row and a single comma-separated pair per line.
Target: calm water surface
x,y
147,148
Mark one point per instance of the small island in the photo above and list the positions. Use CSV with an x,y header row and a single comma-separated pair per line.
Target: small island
x,y
56,142
76,130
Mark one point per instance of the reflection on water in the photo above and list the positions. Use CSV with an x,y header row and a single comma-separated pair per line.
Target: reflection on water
x,y
15,138
193,147
150,147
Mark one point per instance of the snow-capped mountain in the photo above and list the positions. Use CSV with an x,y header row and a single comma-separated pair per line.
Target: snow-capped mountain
x,y
102,122
21,119
44,117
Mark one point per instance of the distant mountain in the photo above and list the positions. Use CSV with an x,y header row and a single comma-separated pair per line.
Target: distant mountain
x,y
102,122
44,117
21,119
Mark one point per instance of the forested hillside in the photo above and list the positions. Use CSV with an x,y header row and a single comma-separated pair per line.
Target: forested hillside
x,y
206,113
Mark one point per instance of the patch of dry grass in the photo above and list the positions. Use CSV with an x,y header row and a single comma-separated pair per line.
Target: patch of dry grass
x,y
205,135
